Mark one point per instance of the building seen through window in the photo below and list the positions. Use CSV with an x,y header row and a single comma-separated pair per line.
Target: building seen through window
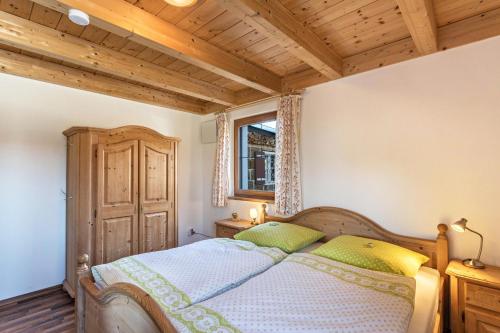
x,y
255,148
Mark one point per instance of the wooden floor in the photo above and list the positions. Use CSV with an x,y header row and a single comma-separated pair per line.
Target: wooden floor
x,y
51,311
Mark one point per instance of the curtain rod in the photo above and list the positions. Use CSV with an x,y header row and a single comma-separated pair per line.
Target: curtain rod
x,y
233,108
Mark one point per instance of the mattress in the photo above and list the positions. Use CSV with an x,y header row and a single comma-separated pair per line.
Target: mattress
x,y
426,301
426,296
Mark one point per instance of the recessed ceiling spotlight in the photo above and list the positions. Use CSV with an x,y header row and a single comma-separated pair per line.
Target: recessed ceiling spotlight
x,y
78,17
181,3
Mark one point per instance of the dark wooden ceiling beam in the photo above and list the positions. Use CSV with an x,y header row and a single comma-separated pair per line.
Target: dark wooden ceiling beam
x,y
127,20
277,22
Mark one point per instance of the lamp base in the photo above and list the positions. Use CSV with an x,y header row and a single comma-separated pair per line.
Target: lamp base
x,y
473,263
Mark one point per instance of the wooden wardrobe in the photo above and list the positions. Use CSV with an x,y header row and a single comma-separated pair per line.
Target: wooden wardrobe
x,y
121,194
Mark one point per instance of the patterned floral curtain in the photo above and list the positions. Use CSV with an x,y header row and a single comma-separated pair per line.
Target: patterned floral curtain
x,y
288,192
220,187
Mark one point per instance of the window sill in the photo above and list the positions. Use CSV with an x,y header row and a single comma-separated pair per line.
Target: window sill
x,y
252,199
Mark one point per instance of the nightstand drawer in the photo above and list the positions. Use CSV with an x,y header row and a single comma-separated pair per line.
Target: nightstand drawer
x,y
482,297
481,321
228,228
226,232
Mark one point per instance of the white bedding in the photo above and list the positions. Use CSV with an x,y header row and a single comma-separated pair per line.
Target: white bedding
x,y
306,293
190,266
426,297
185,275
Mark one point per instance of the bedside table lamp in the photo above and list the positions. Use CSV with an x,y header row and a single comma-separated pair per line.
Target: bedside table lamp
x,y
253,215
461,226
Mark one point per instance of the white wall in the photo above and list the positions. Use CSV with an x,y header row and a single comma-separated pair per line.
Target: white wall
x,y
410,146
33,172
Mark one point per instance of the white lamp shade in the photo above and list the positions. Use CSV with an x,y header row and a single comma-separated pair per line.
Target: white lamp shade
x,y
253,213
459,226
78,17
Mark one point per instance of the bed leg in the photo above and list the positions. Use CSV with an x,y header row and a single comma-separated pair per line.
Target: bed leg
x,y
82,271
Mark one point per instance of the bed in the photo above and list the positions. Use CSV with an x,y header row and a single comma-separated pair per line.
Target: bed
x,y
123,307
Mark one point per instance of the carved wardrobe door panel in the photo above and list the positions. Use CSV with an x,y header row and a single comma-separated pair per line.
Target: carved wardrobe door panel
x,y
156,220
117,195
107,168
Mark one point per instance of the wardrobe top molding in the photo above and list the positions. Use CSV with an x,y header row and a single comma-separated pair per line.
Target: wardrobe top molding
x,y
132,131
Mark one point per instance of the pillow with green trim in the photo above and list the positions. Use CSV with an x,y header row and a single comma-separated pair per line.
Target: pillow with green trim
x,y
285,236
372,254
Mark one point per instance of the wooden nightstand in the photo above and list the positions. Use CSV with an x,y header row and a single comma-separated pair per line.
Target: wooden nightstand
x,y
228,228
475,298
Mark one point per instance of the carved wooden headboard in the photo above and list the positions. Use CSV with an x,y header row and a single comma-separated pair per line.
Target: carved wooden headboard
x,y
335,221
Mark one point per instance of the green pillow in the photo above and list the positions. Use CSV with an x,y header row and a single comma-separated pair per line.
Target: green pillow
x,y
286,236
372,254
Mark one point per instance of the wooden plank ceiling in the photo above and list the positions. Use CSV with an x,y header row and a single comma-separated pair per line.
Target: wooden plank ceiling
x,y
223,53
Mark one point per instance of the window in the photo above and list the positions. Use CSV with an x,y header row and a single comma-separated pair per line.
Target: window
x,y
254,156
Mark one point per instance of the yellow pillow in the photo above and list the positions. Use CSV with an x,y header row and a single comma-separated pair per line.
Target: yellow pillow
x,y
372,254
285,236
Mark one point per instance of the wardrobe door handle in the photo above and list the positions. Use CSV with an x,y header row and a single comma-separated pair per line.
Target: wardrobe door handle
x,y
67,196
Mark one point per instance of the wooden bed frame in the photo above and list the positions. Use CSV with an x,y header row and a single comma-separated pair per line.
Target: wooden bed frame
x,y
123,307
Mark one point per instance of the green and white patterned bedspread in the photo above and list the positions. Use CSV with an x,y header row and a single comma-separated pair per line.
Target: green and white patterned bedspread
x,y
307,293
182,276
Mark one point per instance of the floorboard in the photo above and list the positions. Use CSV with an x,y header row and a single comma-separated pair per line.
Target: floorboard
x,y
52,311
